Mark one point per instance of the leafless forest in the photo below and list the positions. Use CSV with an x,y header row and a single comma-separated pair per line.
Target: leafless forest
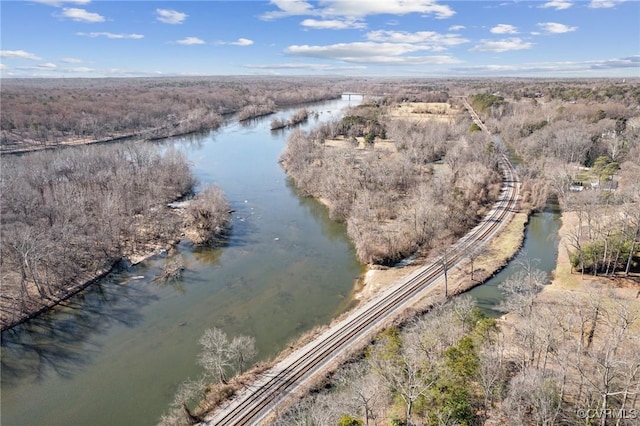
x,y
44,113
581,145
69,215
567,357
403,184
569,361
399,200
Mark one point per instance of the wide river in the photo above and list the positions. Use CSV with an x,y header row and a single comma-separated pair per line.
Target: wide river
x,y
115,354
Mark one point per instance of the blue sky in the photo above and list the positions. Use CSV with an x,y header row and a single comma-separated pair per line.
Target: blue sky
x,y
418,38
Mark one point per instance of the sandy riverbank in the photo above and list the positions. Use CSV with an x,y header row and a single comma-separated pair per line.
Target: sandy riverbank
x,y
490,261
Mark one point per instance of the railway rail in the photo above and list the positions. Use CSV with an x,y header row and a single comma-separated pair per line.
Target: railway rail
x,y
260,400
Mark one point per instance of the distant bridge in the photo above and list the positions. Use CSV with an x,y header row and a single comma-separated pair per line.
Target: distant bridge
x,y
362,95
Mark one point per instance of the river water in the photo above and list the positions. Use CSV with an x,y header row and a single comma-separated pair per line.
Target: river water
x,y
115,354
540,246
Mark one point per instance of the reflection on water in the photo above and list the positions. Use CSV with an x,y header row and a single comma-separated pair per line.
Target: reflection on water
x,y
540,245
62,341
116,353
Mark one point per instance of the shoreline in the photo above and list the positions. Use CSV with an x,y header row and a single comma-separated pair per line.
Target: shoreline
x,y
492,259
151,248
506,244
565,283
46,305
563,279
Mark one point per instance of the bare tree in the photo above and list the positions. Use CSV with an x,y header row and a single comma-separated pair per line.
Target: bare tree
x,y
242,350
492,375
363,391
215,354
405,371
179,413
532,396
208,215
521,289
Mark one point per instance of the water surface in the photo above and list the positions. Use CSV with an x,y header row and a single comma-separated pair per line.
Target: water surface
x,y
540,246
115,354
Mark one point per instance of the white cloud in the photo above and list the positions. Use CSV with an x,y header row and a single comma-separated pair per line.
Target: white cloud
x,y
358,8
628,62
111,35
3,67
351,50
58,3
242,42
71,60
504,29
289,8
18,54
424,40
554,68
604,4
556,28
168,16
457,28
41,67
81,15
503,45
190,41
393,7
557,4
333,24
304,66
80,69
413,60
239,42
369,52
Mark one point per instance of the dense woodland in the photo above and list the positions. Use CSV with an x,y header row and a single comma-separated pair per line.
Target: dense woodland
x,y
401,187
434,184
577,141
566,362
568,358
69,215
43,113
585,151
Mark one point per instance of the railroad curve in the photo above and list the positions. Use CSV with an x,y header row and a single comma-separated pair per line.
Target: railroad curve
x,y
261,399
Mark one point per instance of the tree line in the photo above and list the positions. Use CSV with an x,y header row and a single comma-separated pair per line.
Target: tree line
x,y
68,216
433,186
562,361
585,151
47,112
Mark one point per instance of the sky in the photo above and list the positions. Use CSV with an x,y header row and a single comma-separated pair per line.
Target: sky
x,y
404,38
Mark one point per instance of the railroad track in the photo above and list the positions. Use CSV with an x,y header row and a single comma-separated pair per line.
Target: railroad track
x,y
256,403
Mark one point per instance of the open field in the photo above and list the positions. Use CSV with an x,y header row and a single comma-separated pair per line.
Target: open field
x,y
425,111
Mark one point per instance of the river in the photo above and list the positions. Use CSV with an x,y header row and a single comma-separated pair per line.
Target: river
x,y
540,246
115,354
